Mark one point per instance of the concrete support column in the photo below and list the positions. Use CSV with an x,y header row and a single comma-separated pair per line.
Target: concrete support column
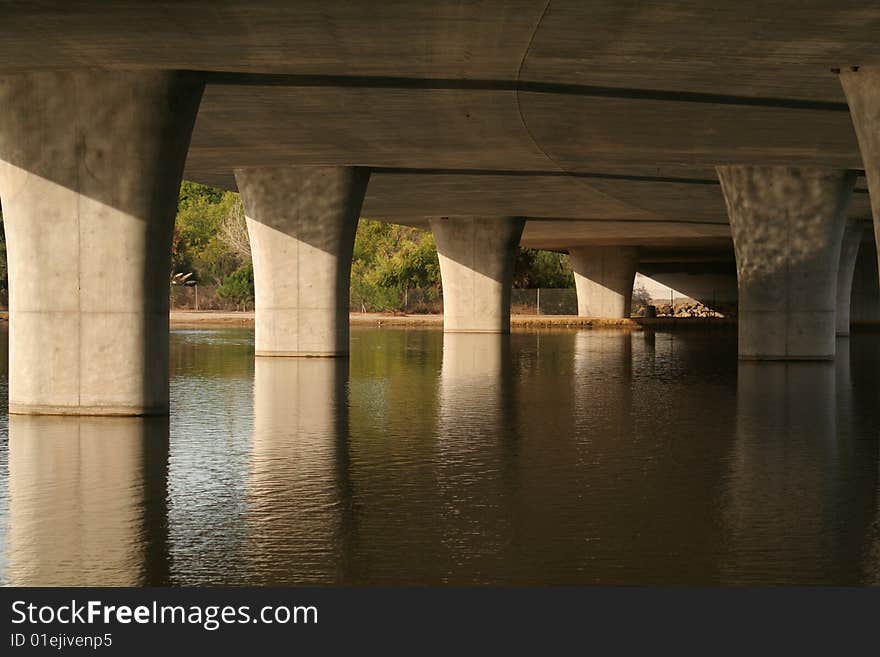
x,y
861,84
603,276
849,252
90,169
302,223
477,257
787,227
865,299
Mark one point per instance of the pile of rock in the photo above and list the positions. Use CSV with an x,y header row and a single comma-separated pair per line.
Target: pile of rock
x,y
687,309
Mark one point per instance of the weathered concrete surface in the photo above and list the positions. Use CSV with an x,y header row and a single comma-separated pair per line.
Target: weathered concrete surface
x,y
849,252
477,257
604,278
302,223
865,301
90,168
862,88
101,483
787,227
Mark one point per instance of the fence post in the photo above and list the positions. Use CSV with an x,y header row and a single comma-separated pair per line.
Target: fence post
x,y
538,304
196,288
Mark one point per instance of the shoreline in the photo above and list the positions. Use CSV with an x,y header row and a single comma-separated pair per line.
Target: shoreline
x,y
184,319
226,319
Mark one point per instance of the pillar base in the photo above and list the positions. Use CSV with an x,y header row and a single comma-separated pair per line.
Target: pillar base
x,y
604,278
96,411
477,257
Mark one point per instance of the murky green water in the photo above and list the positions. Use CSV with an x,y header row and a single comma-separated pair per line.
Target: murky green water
x,y
544,458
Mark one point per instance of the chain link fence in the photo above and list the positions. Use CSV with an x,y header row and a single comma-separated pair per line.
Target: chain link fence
x,y
414,301
203,297
544,301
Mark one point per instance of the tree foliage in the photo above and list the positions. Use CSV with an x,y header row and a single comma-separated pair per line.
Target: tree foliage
x,y
547,269
199,245
388,260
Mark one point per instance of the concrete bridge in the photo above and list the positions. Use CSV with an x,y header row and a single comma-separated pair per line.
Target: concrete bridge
x,y
671,134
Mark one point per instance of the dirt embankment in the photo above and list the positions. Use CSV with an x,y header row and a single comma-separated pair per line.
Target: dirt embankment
x,y
218,319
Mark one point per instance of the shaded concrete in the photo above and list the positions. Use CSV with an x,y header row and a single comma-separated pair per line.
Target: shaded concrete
x,y
477,256
87,501
861,84
865,301
604,278
849,251
716,290
787,227
90,168
302,223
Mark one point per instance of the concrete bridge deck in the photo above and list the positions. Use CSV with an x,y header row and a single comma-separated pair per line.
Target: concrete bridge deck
x,y
600,111
736,141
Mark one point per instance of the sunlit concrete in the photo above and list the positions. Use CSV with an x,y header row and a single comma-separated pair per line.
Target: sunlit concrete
x,y
849,251
90,168
302,224
604,279
477,257
87,501
787,227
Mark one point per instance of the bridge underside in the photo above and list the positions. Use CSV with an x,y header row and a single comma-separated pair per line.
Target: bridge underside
x,y
592,127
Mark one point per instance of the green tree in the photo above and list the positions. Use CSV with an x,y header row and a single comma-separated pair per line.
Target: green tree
x,y
198,246
389,259
546,269
238,287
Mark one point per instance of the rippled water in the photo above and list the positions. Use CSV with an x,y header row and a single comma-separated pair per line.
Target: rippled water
x,y
556,457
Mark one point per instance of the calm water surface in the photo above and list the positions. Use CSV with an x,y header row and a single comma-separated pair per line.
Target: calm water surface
x,y
557,457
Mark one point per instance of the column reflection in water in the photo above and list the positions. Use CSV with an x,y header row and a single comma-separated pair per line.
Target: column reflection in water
x,y
87,501
794,475
475,459
864,426
298,499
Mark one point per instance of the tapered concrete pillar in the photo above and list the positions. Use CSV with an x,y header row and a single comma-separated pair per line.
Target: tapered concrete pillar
x,y
90,169
849,252
787,227
302,223
861,84
603,276
865,300
477,257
